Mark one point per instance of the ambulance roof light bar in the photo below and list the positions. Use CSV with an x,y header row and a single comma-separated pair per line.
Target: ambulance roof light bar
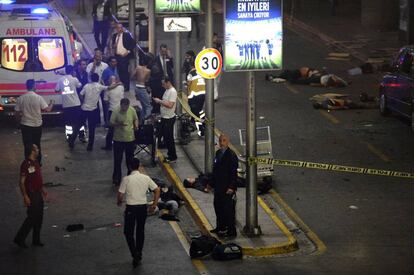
x,y
40,11
6,2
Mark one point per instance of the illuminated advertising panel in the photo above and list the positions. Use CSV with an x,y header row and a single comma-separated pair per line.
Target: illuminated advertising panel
x,y
177,6
253,35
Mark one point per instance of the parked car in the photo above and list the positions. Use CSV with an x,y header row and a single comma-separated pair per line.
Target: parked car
x,y
397,87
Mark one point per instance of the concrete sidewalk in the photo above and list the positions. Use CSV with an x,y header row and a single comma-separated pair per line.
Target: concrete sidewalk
x,y
276,238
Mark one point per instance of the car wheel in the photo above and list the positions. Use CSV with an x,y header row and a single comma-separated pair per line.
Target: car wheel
x,y
383,105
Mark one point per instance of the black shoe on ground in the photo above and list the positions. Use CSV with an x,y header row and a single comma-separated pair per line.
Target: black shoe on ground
x,y
136,261
227,234
89,148
106,148
38,244
71,146
170,160
214,231
20,243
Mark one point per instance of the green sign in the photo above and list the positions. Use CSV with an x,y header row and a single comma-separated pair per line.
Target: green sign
x,y
177,6
253,35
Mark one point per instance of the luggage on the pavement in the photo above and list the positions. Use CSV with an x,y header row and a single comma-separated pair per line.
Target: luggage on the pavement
x,y
228,251
202,245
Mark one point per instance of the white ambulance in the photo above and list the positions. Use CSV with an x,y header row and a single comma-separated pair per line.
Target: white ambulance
x,y
36,42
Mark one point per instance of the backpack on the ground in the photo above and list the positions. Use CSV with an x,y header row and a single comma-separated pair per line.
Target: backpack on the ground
x,y
228,251
202,245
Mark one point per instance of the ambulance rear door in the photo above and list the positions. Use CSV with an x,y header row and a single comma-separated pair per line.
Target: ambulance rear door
x,y
52,49
15,61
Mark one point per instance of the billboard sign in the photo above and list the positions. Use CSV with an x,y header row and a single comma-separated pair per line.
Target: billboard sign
x,y
253,35
177,6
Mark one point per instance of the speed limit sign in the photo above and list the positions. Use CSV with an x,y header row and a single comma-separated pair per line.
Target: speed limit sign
x,y
208,63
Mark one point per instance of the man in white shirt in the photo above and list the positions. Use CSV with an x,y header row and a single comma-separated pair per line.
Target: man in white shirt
x,y
167,111
97,65
67,85
91,93
134,187
113,97
29,109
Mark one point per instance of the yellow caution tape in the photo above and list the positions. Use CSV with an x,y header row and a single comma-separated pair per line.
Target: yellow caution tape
x,y
330,167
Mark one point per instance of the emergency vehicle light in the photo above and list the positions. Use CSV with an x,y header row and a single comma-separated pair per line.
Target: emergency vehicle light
x,y
6,2
40,11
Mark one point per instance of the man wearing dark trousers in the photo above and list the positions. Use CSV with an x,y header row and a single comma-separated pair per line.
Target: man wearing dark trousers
x,y
29,109
167,111
124,119
31,187
124,46
101,12
67,86
162,67
135,187
224,184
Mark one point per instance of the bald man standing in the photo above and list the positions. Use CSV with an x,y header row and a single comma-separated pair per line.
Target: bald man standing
x,y
224,183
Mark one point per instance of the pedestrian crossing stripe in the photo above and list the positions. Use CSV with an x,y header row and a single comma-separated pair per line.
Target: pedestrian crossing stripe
x,y
330,167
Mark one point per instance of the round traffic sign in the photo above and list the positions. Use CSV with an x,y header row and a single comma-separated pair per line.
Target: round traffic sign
x,y
208,63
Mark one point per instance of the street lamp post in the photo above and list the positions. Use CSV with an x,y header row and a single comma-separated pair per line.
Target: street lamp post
x,y
252,228
209,99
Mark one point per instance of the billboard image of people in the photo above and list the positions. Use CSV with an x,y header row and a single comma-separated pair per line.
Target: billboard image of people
x,y
177,6
253,35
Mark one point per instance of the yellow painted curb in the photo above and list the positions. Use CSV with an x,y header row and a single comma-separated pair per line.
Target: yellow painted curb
x,y
286,247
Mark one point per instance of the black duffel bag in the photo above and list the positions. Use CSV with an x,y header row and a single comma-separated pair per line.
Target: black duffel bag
x,y
203,245
228,251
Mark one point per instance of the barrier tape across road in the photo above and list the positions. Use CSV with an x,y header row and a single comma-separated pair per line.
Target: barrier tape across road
x,y
312,165
331,167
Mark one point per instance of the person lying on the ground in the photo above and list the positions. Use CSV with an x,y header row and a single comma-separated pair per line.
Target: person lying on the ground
x,y
169,203
200,183
293,75
331,101
308,76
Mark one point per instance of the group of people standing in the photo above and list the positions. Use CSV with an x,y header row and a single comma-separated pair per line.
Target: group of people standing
x,y
87,87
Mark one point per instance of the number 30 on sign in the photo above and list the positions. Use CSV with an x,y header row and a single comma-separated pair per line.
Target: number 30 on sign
x,y
208,63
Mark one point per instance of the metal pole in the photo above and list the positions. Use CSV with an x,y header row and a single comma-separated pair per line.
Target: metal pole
x,y
81,7
114,8
131,18
177,76
132,30
209,99
252,228
151,26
